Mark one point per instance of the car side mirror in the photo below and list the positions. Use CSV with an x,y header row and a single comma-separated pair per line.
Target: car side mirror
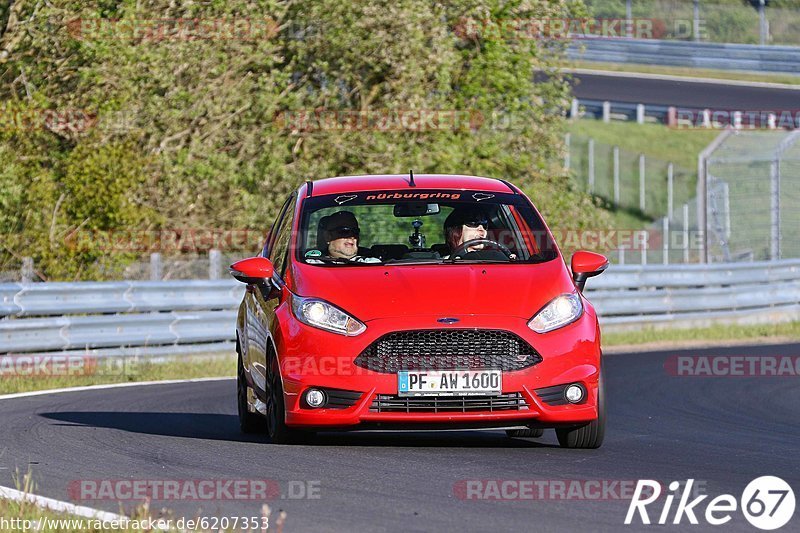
x,y
253,271
585,265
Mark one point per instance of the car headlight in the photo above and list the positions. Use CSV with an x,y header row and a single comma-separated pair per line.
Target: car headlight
x,y
321,314
561,311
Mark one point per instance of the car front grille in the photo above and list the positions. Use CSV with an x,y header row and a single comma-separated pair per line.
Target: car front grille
x,y
385,403
448,349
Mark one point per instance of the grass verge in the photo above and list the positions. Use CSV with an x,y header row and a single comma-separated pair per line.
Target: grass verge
x,y
719,334
122,370
680,146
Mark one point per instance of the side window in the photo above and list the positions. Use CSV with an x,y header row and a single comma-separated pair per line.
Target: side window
x,y
270,240
281,238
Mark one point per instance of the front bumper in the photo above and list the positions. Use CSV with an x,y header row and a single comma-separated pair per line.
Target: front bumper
x,y
315,358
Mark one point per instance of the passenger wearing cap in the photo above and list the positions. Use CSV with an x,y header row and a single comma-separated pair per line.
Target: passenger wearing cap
x,y
338,238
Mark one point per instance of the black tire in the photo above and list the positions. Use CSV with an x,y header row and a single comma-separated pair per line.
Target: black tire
x,y
590,435
248,422
278,431
530,433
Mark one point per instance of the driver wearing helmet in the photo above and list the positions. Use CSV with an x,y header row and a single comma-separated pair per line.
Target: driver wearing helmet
x,y
465,224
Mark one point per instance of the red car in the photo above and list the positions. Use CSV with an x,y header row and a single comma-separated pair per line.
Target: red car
x,y
417,302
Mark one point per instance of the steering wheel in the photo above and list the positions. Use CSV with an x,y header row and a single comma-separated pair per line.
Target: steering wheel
x,y
467,244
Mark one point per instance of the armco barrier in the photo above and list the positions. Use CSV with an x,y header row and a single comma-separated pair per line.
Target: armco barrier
x,y
688,54
184,317
138,317
630,296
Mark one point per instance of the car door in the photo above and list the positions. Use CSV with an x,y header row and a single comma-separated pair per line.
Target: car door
x,y
261,301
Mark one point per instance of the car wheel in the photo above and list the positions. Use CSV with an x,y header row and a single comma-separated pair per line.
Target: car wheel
x,y
248,422
278,431
590,435
530,433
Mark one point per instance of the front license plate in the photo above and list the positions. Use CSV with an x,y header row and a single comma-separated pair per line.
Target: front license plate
x,y
449,382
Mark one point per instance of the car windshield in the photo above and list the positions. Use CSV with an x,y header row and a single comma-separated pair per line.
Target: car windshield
x,y
419,227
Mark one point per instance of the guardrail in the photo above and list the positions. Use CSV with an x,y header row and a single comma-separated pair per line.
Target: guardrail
x,y
688,54
129,317
185,317
694,295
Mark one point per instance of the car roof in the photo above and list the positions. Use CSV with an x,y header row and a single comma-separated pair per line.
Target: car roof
x,y
383,182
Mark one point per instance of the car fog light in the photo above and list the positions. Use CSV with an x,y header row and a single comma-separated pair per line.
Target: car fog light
x,y
315,398
574,393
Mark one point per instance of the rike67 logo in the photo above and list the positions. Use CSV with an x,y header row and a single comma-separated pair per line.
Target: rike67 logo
x,y
767,503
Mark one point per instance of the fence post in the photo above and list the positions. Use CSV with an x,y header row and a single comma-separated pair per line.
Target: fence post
x,y
665,238
27,270
574,109
621,254
670,190
640,113
686,233
591,166
641,183
214,264
568,147
775,211
645,246
616,176
628,19
155,266
606,111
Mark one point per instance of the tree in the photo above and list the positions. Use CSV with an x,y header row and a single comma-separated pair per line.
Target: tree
x,y
184,106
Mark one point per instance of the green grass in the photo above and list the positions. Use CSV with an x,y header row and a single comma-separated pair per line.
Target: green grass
x,y
689,72
134,370
777,332
660,146
680,146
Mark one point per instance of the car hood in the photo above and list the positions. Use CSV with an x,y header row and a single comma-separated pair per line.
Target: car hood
x,y
373,292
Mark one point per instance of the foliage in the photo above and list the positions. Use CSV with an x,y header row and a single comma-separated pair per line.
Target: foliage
x,y
140,117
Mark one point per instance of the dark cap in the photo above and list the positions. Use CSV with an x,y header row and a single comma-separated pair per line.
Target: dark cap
x,y
462,215
339,224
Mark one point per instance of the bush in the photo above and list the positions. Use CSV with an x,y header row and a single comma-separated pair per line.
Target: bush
x,y
190,132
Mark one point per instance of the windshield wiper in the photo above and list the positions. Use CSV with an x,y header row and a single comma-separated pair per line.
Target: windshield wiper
x,y
412,261
454,260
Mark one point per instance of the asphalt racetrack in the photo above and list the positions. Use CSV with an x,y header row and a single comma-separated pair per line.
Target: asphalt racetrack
x,y
721,431
684,94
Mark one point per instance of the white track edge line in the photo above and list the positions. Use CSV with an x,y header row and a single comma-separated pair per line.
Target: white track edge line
x,y
109,386
59,506
688,79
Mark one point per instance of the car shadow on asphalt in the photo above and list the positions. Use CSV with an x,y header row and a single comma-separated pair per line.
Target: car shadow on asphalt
x,y
211,426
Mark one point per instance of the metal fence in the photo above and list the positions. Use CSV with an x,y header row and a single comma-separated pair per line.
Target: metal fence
x,y
749,192
156,267
189,317
776,59
630,297
702,20
90,316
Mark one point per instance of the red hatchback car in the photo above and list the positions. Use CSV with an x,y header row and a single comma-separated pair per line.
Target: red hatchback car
x,y
417,302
